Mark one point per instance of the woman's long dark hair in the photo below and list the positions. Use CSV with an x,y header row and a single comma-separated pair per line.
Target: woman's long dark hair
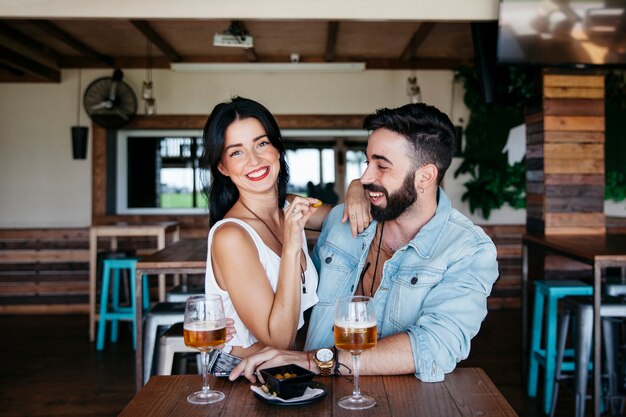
x,y
223,193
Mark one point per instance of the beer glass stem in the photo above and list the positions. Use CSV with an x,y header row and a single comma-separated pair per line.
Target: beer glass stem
x,y
205,373
356,365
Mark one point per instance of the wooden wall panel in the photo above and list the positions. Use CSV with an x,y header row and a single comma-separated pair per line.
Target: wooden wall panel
x,y
577,81
574,137
574,123
565,179
573,107
506,292
565,156
581,166
565,166
568,92
30,285
573,150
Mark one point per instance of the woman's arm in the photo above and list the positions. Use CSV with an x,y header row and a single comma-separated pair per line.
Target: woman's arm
x,y
271,317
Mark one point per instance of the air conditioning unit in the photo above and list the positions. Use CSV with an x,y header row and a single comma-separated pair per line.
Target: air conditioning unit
x,y
221,39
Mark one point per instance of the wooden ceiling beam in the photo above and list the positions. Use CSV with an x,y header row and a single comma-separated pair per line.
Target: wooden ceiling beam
x,y
417,63
417,39
11,69
153,36
26,64
16,36
58,33
331,41
251,55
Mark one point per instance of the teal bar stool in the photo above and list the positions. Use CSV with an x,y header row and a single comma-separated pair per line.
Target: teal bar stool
x,y
114,313
548,293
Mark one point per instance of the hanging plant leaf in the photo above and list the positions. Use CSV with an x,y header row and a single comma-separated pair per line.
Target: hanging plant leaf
x,y
493,182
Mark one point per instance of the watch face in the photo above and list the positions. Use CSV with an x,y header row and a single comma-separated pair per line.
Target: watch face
x,y
324,355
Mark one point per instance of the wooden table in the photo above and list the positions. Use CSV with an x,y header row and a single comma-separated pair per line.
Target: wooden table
x,y
114,231
465,392
599,251
187,256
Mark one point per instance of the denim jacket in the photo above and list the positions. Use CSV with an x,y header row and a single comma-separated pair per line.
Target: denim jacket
x,y
435,288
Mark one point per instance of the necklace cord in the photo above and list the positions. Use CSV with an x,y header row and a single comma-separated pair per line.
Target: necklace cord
x,y
367,265
380,242
302,276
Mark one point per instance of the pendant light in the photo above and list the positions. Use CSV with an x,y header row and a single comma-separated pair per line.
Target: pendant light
x,y
413,90
79,133
147,93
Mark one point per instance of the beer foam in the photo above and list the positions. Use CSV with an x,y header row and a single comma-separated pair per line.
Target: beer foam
x,y
198,326
355,324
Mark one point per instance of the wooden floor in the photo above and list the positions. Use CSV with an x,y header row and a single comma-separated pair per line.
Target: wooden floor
x,y
49,368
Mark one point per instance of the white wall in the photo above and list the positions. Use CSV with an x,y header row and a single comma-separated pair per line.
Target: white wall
x,y
42,186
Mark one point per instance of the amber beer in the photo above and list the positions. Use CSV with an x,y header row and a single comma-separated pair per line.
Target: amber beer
x,y
355,337
204,335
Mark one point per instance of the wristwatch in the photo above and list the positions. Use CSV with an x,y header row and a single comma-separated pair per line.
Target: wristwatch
x,y
325,360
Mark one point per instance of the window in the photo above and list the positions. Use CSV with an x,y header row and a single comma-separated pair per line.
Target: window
x,y
158,171
323,162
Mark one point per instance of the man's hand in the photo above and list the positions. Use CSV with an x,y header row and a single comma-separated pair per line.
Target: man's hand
x,y
357,208
270,357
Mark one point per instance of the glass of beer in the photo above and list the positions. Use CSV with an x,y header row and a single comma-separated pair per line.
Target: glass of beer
x,y
355,331
205,328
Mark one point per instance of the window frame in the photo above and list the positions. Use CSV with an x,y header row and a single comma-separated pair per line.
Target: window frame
x,y
121,172
338,137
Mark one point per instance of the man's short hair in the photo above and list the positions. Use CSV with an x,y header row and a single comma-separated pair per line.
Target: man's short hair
x,y
429,131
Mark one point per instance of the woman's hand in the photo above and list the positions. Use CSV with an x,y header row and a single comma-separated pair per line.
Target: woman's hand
x,y
230,331
296,215
268,358
357,208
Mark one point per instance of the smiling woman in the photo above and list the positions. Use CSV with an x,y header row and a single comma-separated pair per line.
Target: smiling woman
x,y
244,151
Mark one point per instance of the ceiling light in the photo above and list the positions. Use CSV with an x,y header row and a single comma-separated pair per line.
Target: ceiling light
x,y
222,39
236,36
268,67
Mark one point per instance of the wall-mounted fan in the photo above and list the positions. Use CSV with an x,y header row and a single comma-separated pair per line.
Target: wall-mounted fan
x,y
110,102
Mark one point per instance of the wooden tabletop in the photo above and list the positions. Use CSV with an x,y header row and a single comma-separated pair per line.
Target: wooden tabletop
x,y
186,253
133,229
585,248
597,250
465,392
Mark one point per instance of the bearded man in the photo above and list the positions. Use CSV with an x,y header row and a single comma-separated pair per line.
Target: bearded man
x,y
428,268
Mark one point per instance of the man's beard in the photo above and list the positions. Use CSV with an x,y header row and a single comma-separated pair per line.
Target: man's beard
x,y
397,203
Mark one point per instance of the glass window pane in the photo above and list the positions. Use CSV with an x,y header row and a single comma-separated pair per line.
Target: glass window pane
x,y
355,165
312,172
163,172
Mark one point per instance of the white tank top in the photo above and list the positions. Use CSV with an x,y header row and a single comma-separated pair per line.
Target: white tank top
x,y
271,264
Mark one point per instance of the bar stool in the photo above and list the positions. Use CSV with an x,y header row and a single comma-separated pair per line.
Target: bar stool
x,y
180,293
548,292
582,310
115,312
172,342
160,315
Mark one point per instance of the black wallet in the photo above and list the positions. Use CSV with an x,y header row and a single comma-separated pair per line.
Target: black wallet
x,y
221,363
